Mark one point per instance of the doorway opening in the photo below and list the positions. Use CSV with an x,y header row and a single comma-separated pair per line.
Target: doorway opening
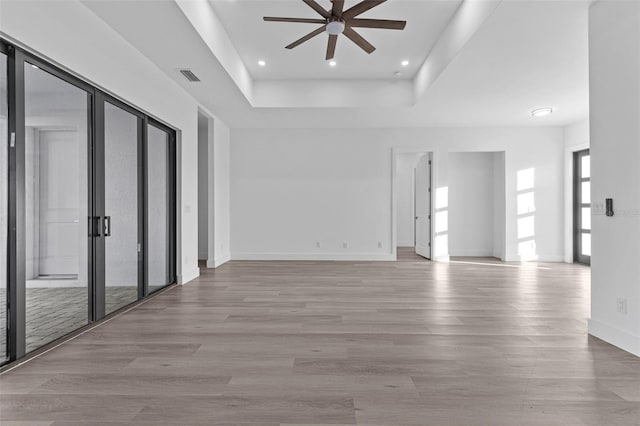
x,y
477,209
203,190
206,191
413,181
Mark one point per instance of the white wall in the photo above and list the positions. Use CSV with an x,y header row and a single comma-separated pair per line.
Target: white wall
x,y
471,203
203,187
103,57
220,244
499,206
405,201
293,188
614,68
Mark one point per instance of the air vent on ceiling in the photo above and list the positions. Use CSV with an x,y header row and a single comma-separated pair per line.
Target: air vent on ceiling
x,y
189,75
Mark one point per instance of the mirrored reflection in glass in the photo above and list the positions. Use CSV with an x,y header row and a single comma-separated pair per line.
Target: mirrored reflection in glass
x,y
158,208
121,206
56,200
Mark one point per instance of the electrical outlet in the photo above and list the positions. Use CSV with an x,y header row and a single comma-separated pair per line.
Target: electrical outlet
x,y
318,244
379,244
345,244
621,305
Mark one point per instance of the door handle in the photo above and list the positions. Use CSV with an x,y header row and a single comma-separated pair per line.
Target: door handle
x,y
107,226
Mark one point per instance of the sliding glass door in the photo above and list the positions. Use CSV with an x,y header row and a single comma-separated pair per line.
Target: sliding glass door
x,y
160,211
87,204
120,204
56,205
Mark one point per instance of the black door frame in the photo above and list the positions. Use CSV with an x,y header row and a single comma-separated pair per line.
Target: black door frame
x,y
101,212
16,252
16,282
171,196
578,204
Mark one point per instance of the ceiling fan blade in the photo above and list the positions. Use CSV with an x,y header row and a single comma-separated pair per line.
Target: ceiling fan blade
x,y
377,23
315,6
302,20
336,9
331,47
307,37
361,7
359,40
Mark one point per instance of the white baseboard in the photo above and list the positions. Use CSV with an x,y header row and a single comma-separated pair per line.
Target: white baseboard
x,y
218,261
552,258
189,276
471,253
405,244
315,256
613,335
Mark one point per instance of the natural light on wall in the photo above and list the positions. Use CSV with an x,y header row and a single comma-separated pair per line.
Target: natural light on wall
x,y
526,209
441,230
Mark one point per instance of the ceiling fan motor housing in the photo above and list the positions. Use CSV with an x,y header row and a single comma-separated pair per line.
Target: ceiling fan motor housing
x,y
335,27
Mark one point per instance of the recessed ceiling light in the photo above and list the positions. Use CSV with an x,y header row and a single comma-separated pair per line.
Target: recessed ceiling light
x,y
34,66
405,63
262,63
333,63
541,112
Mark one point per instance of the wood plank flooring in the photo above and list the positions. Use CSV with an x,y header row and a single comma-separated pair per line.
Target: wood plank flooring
x,y
472,342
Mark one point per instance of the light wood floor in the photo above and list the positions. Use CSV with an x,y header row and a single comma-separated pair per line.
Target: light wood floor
x,y
473,342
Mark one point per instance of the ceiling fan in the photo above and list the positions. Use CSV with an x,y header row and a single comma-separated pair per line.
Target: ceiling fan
x,y
338,21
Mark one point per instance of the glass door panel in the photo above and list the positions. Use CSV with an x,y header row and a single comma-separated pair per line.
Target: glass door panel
x,y
582,207
121,138
56,206
585,192
4,202
159,239
87,203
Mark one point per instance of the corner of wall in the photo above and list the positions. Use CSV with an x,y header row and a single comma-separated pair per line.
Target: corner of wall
x,y
189,276
218,261
615,336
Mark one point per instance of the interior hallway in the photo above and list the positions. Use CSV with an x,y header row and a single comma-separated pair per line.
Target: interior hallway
x,y
342,343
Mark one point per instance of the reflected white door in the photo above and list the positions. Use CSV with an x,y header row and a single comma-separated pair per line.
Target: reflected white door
x,y
423,207
59,200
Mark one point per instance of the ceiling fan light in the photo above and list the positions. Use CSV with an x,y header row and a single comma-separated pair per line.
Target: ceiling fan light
x,y
335,27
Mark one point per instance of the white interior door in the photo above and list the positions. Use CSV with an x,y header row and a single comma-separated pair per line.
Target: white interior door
x,y
58,202
423,207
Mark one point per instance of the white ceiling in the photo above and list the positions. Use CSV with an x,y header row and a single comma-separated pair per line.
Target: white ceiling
x,y
527,54
257,40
